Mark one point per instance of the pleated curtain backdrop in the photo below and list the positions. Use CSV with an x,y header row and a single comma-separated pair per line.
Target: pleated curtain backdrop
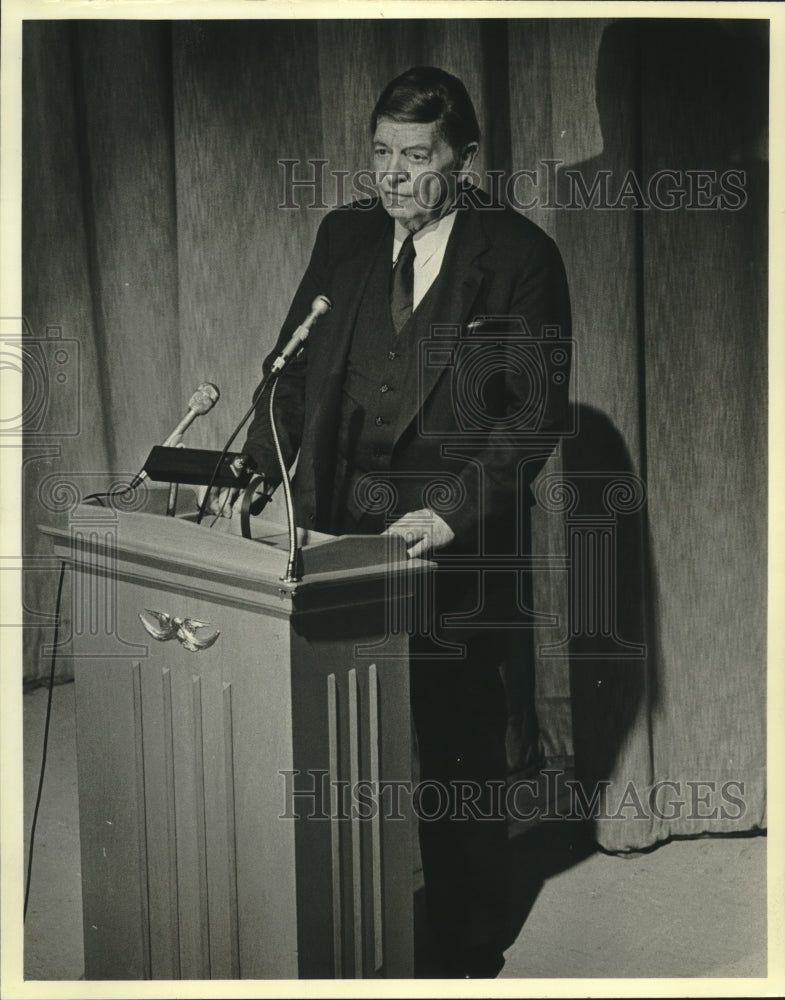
x,y
156,255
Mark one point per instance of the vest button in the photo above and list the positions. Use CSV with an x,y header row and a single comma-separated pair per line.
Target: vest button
x,y
380,421
384,388
392,355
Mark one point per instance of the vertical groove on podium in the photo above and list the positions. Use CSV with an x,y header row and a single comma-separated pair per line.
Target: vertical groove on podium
x,y
110,584
201,826
141,815
354,778
376,830
78,593
93,592
590,598
171,817
97,586
335,833
608,622
231,830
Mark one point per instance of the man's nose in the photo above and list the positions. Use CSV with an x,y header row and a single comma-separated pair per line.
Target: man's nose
x,y
397,170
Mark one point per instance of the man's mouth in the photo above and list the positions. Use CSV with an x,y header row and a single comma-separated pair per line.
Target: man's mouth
x,y
395,196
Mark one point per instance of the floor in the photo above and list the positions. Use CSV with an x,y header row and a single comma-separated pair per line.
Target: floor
x,y
690,908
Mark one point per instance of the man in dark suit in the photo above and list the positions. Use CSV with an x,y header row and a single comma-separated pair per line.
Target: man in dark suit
x,y
397,396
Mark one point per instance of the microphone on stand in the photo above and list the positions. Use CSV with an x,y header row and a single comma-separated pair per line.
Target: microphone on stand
x,y
202,401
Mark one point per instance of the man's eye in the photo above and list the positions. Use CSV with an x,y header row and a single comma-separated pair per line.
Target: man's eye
x,y
379,153
418,157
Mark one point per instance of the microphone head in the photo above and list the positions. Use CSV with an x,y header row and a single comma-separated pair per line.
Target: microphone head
x,y
205,398
321,305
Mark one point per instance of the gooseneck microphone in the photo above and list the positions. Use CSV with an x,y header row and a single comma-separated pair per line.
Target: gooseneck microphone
x,y
320,305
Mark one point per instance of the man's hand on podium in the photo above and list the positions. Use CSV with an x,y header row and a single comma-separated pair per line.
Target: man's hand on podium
x,y
423,530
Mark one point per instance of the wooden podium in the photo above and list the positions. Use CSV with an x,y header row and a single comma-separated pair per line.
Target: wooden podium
x,y
235,738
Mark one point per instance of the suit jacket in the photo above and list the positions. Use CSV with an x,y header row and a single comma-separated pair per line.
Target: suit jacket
x,y
484,411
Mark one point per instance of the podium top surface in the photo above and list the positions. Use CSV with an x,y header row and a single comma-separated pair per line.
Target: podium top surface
x,y
215,550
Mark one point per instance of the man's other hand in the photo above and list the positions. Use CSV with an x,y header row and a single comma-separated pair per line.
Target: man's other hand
x,y
220,501
423,530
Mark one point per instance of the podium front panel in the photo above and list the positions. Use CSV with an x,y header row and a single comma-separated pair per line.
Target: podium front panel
x,y
215,699
352,758
202,737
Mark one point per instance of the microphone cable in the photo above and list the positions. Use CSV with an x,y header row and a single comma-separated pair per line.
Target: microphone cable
x,y
249,412
47,723
122,490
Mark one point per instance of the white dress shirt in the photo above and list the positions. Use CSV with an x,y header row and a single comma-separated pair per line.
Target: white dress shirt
x,y
430,242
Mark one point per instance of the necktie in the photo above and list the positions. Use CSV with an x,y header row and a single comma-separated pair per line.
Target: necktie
x,y
402,290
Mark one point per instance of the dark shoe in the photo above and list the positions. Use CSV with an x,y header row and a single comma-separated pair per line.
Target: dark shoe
x,y
480,962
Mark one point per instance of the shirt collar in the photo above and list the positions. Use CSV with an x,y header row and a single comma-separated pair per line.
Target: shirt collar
x,y
428,240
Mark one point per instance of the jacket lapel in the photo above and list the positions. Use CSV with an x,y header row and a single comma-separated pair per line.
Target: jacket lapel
x,y
328,353
348,282
456,290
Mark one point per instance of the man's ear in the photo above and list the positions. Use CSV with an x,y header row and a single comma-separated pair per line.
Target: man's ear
x,y
468,154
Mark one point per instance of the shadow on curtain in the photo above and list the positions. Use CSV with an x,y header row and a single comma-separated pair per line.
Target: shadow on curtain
x,y
673,353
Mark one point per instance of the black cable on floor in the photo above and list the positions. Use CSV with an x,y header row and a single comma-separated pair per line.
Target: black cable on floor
x,y
46,736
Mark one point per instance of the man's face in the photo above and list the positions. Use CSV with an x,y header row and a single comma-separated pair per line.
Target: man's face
x,y
415,170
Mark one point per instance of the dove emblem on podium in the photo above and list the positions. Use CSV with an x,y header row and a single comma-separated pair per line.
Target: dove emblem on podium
x,y
189,632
